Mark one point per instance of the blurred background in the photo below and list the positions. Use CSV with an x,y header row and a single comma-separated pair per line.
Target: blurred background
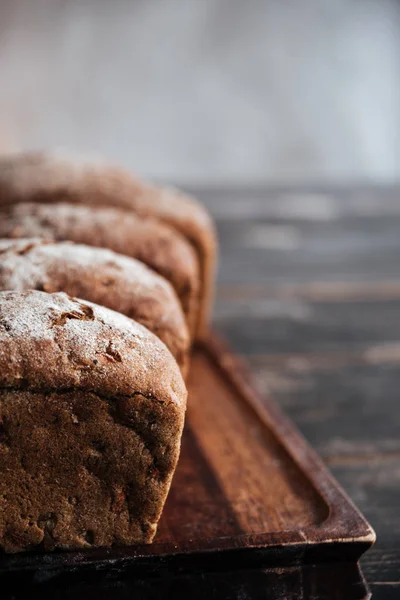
x,y
208,91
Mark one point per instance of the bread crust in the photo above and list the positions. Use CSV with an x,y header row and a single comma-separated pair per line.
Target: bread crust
x,y
158,246
92,407
39,177
100,276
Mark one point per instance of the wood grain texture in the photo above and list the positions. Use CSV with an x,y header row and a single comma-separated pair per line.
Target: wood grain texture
x,y
248,493
328,582
340,385
314,307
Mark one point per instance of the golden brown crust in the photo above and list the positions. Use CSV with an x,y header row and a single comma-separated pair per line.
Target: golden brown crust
x,y
52,341
37,177
91,414
100,276
158,246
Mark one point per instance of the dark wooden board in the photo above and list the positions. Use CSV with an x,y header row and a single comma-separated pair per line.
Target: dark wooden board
x,y
249,494
321,332
331,581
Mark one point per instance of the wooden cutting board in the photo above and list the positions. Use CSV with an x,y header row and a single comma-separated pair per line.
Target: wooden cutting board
x,y
248,493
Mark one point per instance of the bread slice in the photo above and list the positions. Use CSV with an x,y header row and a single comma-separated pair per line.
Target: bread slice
x,y
38,177
158,246
92,408
101,276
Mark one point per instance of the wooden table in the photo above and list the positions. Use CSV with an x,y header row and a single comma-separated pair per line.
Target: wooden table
x,y
309,292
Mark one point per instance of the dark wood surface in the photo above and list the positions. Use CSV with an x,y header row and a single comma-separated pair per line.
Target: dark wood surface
x,y
250,498
309,292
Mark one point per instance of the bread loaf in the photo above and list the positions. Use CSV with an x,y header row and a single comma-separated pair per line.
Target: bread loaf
x,y
91,413
101,276
37,177
158,246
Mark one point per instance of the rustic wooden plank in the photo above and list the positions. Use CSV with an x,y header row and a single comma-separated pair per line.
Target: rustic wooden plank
x,y
236,295
351,416
349,413
385,591
345,411
382,565
239,443
210,515
294,250
330,582
313,298
311,201
376,490
289,510
293,326
309,291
